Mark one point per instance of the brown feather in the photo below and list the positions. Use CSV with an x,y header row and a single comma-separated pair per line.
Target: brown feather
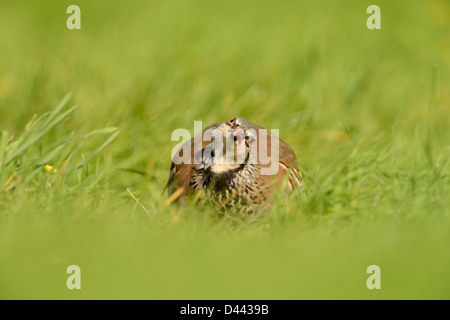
x,y
181,175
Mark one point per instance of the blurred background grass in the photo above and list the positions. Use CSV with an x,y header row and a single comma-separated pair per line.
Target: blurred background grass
x,y
365,111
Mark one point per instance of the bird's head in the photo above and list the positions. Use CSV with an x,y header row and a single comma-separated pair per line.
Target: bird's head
x,y
241,131
233,138
242,135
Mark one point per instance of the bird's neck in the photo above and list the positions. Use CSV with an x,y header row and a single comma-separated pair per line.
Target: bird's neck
x,y
220,175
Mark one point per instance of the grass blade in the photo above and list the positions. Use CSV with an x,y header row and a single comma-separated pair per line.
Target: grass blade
x,y
3,145
104,144
39,133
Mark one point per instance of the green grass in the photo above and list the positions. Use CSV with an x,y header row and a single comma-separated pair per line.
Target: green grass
x,y
365,111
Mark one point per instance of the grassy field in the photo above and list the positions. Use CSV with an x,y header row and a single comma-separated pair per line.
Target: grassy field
x,y
366,111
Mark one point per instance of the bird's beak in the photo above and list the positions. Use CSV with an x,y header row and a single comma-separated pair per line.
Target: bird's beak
x,y
237,134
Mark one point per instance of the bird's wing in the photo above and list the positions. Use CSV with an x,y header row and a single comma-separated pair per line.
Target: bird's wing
x,y
287,162
181,174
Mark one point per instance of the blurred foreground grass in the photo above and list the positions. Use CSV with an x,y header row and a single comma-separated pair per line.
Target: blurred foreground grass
x,y
365,111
